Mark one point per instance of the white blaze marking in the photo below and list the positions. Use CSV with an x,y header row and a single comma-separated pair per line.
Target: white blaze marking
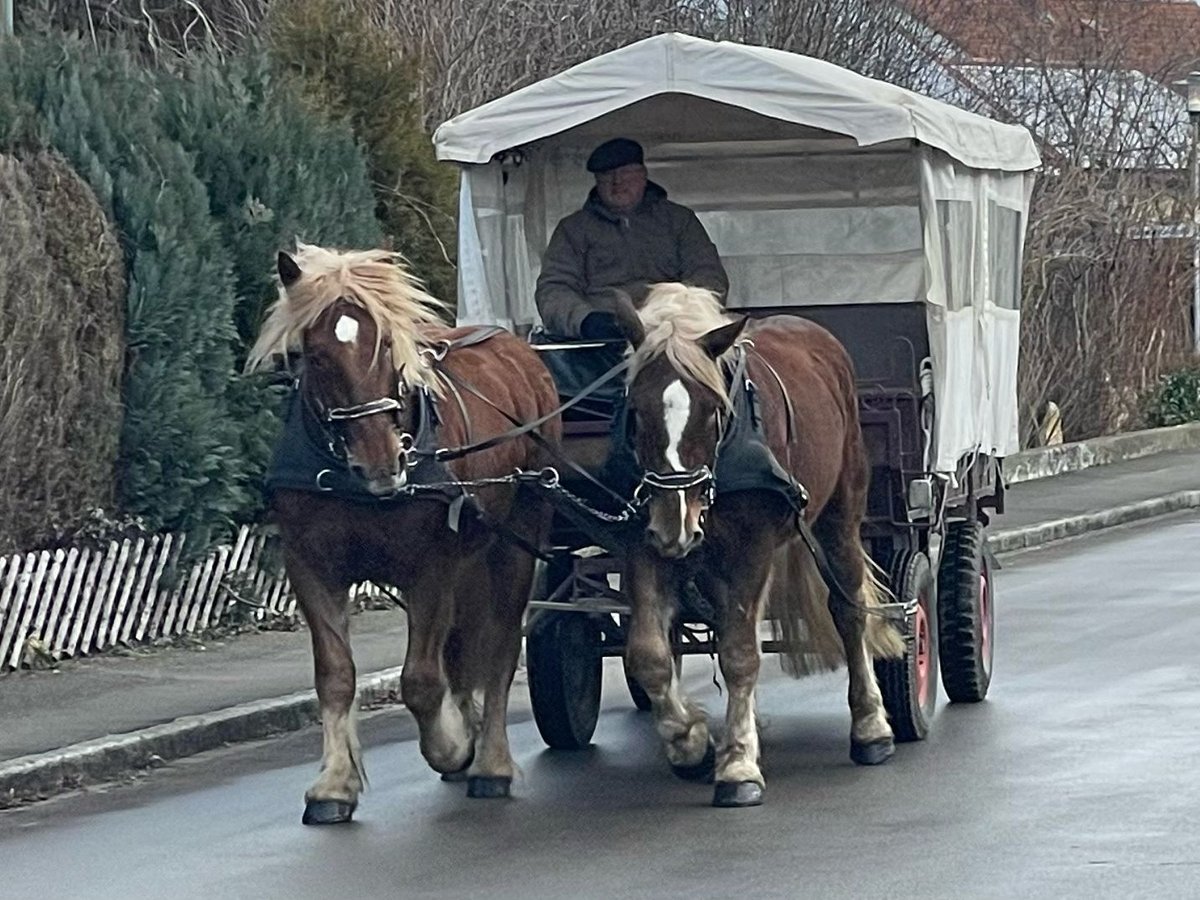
x,y
677,407
346,329
683,531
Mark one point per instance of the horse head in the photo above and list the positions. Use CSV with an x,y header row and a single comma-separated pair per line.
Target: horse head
x,y
353,388
356,319
678,406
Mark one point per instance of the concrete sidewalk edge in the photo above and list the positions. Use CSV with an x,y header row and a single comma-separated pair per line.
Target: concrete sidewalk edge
x,y
40,776
1046,462
1044,533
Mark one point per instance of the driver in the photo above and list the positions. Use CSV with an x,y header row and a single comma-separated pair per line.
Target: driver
x,y
628,234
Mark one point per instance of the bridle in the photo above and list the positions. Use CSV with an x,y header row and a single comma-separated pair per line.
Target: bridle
x,y
330,418
702,476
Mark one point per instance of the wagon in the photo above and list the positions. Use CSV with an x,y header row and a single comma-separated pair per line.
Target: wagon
x,y
894,220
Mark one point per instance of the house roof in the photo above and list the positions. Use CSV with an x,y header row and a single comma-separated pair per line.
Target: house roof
x,y
1160,38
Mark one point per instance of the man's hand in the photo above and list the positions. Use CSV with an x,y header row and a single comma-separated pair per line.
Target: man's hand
x,y
600,326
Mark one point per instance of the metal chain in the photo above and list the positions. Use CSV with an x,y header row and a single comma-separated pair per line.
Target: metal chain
x,y
548,479
618,519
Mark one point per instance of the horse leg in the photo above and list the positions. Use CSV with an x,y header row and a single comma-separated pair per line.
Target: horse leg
x,y
739,593
334,795
871,738
648,653
459,656
446,737
510,573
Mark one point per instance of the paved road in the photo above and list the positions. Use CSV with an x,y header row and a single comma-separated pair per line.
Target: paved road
x,y
1077,779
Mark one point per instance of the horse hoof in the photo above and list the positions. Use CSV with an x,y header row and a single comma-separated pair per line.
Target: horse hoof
x,y
488,787
872,753
461,775
733,794
327,812
702,771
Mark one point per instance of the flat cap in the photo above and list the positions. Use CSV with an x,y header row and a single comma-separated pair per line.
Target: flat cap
x,y
614,154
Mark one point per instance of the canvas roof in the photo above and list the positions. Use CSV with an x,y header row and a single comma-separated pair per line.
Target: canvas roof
x,y
782,86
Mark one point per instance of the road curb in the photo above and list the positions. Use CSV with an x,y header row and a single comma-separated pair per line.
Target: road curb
x,y
1045,533
42,775
1046,462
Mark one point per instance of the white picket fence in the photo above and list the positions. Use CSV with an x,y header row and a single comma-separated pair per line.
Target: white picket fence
x,y
80,601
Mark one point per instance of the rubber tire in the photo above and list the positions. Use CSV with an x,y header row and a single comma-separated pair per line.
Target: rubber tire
x,y
966,657
899,682
565,672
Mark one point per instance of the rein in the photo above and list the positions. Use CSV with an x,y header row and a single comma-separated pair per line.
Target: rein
x,y
529,428
521,428
332,415
547,479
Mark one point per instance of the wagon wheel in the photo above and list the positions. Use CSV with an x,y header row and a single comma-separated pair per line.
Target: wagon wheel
x,y
966,613
562,657
910,684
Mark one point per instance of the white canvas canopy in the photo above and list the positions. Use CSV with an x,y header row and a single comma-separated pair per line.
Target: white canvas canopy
x,y
818,186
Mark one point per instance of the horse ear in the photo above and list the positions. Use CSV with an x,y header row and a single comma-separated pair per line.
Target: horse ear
x,y
289,272
627,319
721,339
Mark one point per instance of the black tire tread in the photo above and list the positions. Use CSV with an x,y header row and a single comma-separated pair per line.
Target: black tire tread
x,y
964,674
565,722
895,676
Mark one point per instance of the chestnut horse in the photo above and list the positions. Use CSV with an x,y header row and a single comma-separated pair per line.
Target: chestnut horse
x,y
373,350
745,553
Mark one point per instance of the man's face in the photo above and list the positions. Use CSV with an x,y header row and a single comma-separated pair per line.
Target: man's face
x,y
621,189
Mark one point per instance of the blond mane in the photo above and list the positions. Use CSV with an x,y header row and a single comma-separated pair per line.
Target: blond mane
x,y
675,317
374,280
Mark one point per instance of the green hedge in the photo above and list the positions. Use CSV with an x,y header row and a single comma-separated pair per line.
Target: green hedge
x,y
205,171
274,172
1175,400
353,67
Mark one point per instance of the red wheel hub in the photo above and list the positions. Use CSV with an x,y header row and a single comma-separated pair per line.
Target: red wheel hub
x,y
923,654
985,616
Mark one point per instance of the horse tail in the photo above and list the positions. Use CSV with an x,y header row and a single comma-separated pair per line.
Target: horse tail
x,y
803,626
883,640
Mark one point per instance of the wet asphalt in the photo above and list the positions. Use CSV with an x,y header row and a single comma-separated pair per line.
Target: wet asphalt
x,y
1079,777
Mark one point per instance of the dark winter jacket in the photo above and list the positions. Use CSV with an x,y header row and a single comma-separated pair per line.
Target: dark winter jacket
x,y
595,249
